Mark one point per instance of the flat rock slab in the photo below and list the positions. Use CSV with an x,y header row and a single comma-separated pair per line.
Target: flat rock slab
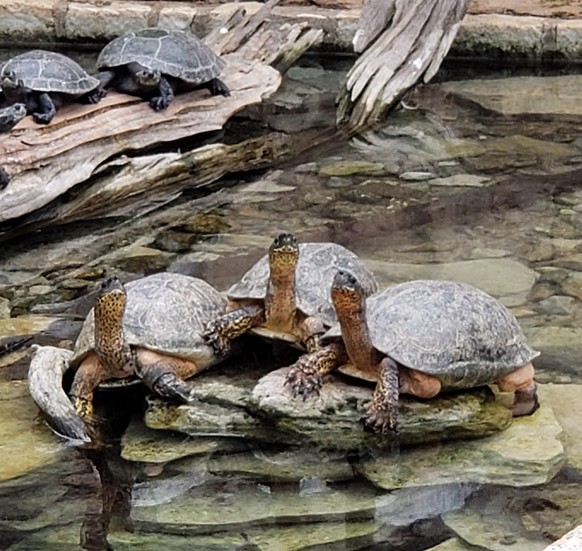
x,y
529,452
25,442
234,404
558,95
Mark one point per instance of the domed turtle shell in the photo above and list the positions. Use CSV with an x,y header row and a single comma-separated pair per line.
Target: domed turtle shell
x,y
453,331
317,266
176,53
44,71
164,312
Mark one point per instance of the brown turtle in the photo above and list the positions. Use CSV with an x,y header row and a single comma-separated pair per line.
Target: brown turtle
x,y
420,337
150,328
285,295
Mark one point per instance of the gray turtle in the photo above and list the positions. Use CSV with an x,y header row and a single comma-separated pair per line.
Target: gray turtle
x,y
285,295
419,338
10,116
156,64
44,80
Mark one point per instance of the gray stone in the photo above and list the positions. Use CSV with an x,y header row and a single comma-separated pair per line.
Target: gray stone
x,y
528,452
561,350
416,176
140,443
572,541
558,95
461,180
557,305
504,278
227,405
567,407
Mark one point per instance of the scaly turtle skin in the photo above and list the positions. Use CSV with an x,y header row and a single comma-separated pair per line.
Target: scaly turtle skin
x,y
285,295
156,64
150,328
44,80
10,116
419,338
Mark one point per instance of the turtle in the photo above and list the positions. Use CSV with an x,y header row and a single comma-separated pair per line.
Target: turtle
x,y
285,295
10,116
44,80
150,328
155,63
420,337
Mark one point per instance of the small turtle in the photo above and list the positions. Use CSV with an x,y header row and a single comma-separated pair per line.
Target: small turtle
x,y
44,80
419,338
285,295
151,327
155,64
10,116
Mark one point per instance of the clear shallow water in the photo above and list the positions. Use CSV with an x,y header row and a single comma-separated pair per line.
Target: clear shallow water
x,y
447,190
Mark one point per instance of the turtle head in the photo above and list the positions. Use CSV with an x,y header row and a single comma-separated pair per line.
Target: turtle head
x,y
347,294
284,252
147,77
111,296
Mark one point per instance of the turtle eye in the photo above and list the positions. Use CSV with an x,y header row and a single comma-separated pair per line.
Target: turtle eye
x,y
345,279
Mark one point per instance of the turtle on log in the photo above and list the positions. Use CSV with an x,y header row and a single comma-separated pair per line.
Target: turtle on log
x,y
156,64
43,81
419,338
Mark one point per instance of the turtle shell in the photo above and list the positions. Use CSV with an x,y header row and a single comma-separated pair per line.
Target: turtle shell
x,y
317,266
176,53
454,331
44,71
164,312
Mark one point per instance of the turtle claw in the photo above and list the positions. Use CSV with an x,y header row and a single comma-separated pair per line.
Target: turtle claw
x,y
214,336
380,421
303,381
159,103
170,386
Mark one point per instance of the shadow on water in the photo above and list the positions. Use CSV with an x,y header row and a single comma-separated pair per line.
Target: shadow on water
x,y
451,189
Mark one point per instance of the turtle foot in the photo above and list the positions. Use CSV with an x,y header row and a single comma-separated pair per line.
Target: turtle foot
x,y
525,401
304,381
95,96
170,386
42,118
159,103
83,406
217,87
380,420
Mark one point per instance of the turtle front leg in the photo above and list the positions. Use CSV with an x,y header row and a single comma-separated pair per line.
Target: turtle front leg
x,y
217,87
311,329
382,416
165,374
45,110
165,97
220,332
306,374
87,378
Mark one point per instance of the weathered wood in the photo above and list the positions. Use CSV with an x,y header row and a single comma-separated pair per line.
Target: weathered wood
x,y
83,142
412,48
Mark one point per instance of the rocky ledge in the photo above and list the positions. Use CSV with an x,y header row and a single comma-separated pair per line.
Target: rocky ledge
x,y
233,404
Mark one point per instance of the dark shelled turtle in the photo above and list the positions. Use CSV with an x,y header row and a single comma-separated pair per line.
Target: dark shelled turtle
x,y
44,80
156,64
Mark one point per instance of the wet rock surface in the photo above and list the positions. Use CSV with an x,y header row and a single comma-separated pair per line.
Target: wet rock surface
x,y
239,405
446,190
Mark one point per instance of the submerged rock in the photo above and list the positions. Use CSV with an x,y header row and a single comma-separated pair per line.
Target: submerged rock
x,y
230,404
528,452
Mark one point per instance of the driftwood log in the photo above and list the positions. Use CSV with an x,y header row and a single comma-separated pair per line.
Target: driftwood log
x,y
89,147
403,41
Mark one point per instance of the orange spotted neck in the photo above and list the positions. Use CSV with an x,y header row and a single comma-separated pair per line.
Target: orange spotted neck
x,y
280,297
109,337
351,313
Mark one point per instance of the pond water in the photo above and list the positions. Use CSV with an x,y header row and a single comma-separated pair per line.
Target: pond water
x,y
476,180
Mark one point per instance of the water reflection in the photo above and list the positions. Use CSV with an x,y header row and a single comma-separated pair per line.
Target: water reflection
x,y
451,190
